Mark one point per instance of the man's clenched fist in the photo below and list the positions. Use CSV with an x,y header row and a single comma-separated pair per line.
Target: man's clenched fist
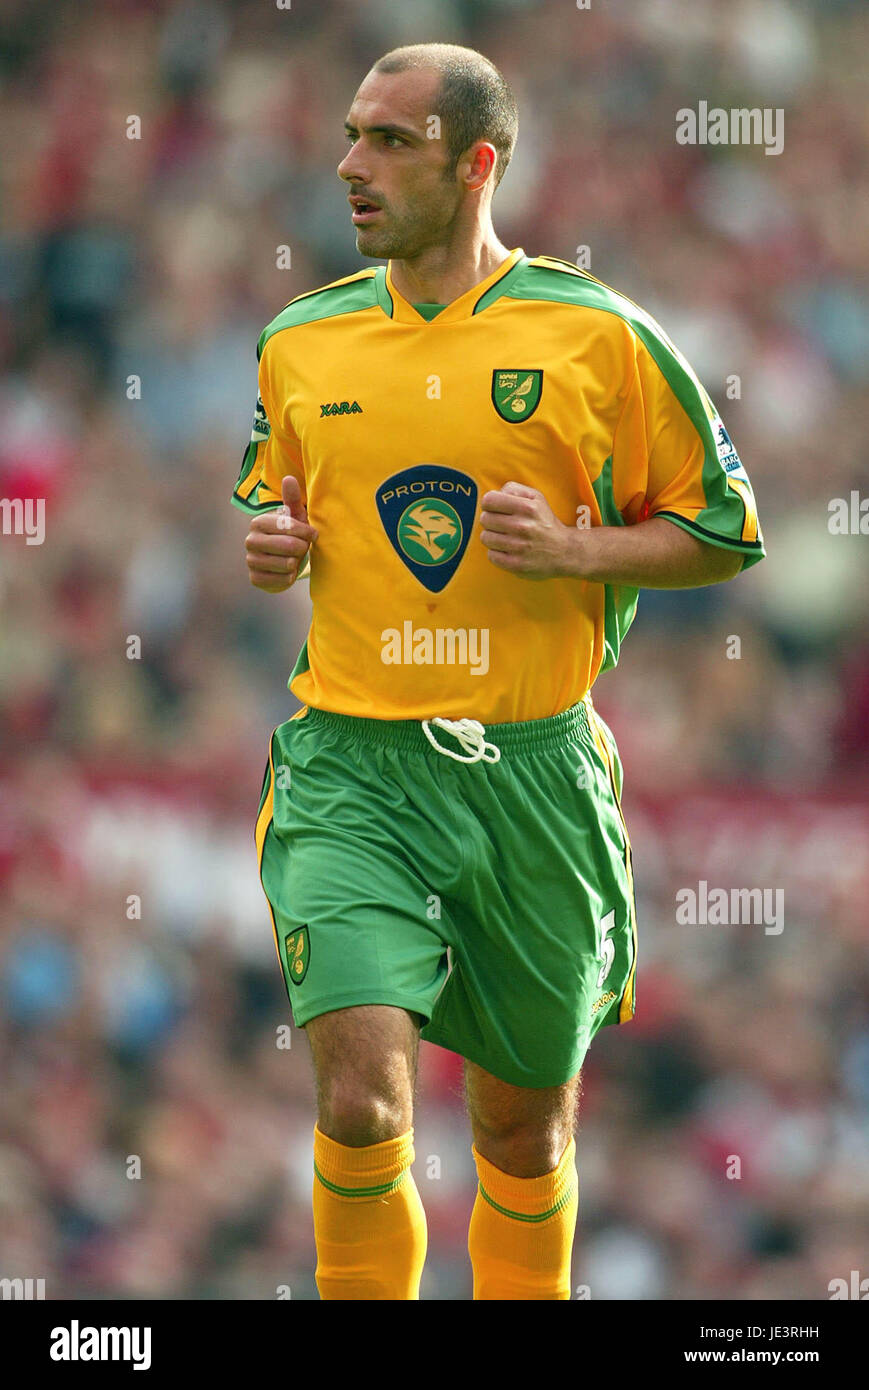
x,y
278,541
522,533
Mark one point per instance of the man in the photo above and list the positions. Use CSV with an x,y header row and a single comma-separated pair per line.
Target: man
x,y
482,456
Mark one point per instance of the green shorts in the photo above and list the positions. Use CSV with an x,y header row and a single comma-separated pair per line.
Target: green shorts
x,y
495,899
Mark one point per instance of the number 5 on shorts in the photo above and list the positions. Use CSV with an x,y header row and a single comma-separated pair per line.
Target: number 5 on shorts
x,y
606,949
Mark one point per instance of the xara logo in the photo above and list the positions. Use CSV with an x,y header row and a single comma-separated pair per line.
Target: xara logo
x,y
340,408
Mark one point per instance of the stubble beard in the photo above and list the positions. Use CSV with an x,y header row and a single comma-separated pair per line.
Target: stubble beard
x,y
400,242
385,243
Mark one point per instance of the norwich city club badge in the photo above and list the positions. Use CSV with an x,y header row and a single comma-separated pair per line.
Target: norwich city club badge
x,y
516,394
298,952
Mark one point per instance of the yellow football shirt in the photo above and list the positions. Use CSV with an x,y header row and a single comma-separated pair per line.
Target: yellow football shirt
x,y
396,427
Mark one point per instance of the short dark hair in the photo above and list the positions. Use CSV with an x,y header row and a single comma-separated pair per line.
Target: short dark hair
x,y
475,101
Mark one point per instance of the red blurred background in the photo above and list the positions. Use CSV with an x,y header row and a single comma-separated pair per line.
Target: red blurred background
x,y
151,1031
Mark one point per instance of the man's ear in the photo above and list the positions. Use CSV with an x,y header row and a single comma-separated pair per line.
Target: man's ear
x,y
478,164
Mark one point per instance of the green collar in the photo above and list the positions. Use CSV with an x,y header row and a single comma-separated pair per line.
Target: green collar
x,y
429,311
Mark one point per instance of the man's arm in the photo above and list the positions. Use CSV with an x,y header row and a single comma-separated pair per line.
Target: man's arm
x,y
523,535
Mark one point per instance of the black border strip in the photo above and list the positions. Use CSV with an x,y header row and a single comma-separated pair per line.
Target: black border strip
x,y
727,542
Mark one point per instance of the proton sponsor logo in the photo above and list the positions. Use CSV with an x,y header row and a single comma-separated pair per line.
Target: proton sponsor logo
x,y
427,511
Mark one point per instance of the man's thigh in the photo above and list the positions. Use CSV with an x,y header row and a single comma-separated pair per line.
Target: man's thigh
x,y
368,1042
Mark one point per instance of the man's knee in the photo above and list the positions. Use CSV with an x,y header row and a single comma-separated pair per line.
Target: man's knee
x,y
522,1131
365,1065
524,1150
352,1112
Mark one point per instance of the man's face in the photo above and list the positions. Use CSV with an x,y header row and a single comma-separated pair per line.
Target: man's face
x,y
394,167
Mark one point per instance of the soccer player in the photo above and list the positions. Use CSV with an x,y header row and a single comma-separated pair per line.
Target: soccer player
x,y
479,458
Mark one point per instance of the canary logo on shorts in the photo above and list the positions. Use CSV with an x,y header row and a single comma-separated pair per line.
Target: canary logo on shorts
x,y
298,948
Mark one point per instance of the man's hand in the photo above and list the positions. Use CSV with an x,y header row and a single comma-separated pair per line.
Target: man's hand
x,y
278,541
523,534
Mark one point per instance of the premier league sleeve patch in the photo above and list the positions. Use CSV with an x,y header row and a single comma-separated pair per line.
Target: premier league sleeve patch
x,y
261,428
727,455
427,512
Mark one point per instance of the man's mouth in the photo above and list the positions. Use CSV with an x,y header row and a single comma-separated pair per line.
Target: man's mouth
x,y
363,209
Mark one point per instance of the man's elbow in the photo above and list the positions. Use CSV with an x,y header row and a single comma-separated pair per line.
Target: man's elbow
x,y
723,564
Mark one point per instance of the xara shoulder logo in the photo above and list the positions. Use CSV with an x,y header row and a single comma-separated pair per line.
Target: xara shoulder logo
x,y
427,512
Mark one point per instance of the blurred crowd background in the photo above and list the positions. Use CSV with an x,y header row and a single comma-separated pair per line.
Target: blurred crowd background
x,y
140,995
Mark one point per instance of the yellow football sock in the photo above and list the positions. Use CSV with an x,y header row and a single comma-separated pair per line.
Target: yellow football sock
x,y
369,1222
522,1230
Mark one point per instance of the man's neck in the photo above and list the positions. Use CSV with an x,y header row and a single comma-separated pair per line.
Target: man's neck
x,y
441,274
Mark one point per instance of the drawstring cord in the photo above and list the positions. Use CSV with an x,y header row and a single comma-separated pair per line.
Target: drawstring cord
x,y
469,733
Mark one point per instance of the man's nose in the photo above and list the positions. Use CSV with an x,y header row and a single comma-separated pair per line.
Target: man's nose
x,y
352,167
